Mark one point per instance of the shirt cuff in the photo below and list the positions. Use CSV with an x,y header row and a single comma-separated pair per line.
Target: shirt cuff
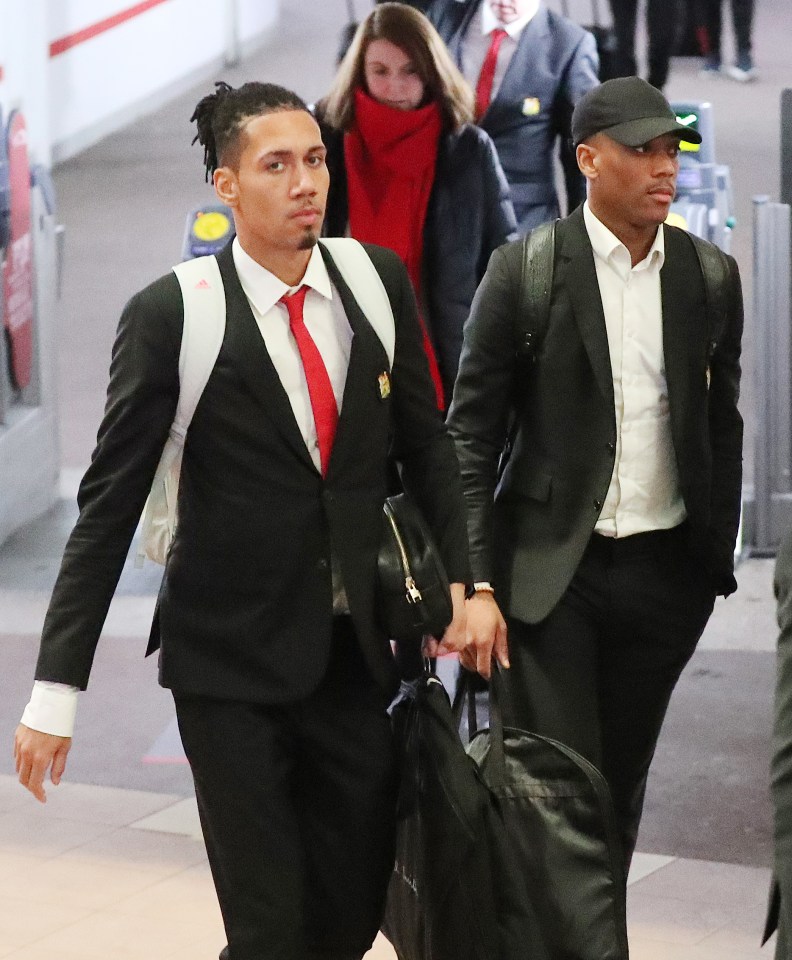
x,y
52,708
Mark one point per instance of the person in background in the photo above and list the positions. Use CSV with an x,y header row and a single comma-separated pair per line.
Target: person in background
x,y
779,915
743,69
661,27
409,171
529,67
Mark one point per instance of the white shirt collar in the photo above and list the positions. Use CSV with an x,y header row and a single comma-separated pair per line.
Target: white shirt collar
x,y
605,243
264,289
490,22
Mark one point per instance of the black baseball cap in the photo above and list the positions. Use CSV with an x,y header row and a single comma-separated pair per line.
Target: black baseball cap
x,y
628,110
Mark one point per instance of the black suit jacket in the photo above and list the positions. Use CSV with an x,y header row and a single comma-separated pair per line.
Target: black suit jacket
x,y
528,529
245,607
555,63
780,909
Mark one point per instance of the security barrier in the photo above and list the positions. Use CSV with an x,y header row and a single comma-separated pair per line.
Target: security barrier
x,y
704,203
29,255
771,515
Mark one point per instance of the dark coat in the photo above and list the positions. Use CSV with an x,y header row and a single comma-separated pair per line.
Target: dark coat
x,y
528,530
245,608
555,63
469,216
780,912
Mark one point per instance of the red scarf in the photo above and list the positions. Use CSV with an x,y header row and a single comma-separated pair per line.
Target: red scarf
x,y
390,157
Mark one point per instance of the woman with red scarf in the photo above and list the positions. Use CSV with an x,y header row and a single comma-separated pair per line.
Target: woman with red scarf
x,y
410,172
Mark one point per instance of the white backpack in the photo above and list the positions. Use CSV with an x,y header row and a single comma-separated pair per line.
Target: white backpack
x,y
202,337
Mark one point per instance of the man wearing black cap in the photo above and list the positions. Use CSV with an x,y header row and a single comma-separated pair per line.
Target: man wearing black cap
x,y
598,549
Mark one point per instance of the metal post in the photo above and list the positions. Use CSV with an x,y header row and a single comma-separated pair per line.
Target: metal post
x,y
232,47
786,147
773,456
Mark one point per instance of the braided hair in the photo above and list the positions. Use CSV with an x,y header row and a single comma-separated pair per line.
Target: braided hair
x,y
221,116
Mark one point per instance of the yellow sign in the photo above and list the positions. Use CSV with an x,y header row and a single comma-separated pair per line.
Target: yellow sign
x,y
211,226
677,220
531,106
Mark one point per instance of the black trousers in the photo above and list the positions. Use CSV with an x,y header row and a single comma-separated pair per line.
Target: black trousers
x,y
297,806
742,18
598,672
661,22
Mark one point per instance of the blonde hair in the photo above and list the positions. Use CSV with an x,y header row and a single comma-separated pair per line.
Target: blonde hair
x,y
408,29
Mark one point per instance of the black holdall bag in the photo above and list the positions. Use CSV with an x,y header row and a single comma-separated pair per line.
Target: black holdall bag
x,y
505,851
414,593
556,852
441,896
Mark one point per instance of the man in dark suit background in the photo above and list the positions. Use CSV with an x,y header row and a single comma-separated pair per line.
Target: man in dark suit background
x,y
780,911
529,67
266,618
599,548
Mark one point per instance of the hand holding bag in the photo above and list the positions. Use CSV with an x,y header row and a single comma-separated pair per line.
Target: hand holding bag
x,y
415,597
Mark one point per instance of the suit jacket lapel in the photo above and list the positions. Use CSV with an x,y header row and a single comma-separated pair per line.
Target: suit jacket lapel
x,y
576,258
252,361
367,360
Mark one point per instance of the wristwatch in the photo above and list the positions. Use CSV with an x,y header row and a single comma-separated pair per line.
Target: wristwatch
x,y
480,586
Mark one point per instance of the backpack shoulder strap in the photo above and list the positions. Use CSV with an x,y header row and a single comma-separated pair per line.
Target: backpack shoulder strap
x,y
536,286
366,285
203,329
202,335
716,273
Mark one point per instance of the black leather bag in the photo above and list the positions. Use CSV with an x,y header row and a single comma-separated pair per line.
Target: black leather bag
x,y
504,851
555,849
441,896
414,595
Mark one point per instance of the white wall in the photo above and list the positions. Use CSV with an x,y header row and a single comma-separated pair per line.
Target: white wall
x,y
73,98
25,70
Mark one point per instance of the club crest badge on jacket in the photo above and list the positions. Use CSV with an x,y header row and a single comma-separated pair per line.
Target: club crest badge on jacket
x,y
531,106
383,381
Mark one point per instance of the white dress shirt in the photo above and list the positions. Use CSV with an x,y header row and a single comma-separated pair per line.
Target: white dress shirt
x,y
53,706
644,489
476,43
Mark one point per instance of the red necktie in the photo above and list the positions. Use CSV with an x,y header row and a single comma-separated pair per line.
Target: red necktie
x,y
487,75
320,390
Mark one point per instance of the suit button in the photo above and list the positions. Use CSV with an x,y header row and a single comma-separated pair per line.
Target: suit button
x,y
322,563
611,446
598,504
328,496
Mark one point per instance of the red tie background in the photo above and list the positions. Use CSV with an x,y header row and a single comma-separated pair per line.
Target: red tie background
x,y
487,75
320,390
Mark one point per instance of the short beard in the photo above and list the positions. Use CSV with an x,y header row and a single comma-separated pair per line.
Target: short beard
x,y
308,241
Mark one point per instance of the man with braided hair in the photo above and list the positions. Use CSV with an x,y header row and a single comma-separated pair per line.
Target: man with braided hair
x,y
266,619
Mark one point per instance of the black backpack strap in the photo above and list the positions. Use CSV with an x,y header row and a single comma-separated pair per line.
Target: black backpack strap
x,y
532,314
536,286
716,273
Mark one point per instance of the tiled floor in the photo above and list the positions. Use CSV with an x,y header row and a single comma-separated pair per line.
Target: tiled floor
x,y
121,874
